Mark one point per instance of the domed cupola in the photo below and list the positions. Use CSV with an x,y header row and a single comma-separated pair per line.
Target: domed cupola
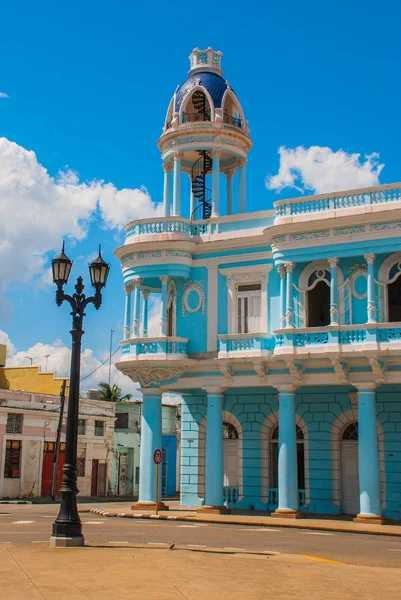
x,y
205,134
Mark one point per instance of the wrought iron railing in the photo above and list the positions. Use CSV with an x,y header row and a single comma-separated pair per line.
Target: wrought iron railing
x,y
232,120
189,117
273,498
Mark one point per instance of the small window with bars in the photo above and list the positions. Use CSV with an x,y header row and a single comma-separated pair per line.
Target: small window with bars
x,y
99,428
12,463
248,308
122,421
81,426
14,422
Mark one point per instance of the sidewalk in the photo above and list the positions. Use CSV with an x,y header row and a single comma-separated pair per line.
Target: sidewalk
x,y
179,513
38,572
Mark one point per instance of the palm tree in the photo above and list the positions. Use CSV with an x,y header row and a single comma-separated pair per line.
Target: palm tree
x,y
112,393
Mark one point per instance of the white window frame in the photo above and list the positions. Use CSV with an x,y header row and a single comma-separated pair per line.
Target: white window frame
x,y
241,296
246,275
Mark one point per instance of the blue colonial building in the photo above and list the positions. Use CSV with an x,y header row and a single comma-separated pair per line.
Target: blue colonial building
x,y
280,329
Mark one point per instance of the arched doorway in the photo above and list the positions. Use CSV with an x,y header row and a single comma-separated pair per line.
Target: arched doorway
x,y
231,455
349,469
273,476
318,299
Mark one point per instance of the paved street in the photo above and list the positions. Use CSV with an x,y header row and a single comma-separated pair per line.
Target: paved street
x,y
31,524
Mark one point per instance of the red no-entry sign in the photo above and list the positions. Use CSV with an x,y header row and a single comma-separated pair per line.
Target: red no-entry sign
x,y
158,456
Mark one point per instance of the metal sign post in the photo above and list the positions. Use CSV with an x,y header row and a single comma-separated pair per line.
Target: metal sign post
x,y
157,457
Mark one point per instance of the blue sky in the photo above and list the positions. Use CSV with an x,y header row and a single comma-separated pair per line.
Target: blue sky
x,y
89,84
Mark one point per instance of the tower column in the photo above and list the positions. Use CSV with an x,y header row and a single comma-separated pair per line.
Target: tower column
x,y
287,455
370,259
127,316
137,308
163,305
368,457
216,182
290,307
214,466
192,200
145,316
333,262
242,185
283,274
168,167
230,191
177,184
151,440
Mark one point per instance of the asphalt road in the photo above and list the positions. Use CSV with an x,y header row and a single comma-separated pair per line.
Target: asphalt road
x,y
22,524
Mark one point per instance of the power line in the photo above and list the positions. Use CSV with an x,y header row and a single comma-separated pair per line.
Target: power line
x,y
103,363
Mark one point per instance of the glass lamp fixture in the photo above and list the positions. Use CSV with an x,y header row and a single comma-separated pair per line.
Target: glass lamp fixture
x,y
99,271
61,266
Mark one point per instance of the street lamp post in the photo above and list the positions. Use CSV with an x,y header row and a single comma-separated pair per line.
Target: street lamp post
x,y
67,529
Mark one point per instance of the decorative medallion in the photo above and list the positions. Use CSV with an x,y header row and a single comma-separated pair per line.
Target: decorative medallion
x,y
193,298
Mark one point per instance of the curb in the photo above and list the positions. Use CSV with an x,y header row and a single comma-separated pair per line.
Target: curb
x,y
292,525
15,502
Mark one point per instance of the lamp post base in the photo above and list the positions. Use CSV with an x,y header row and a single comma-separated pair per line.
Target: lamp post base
x,y
67,542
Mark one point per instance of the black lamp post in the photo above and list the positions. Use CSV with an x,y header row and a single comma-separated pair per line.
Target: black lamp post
x,y
67,529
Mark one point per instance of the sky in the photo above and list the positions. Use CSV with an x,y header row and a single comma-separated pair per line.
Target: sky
x,y
84,89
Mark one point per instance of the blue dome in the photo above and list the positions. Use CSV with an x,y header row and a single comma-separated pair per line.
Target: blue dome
x,y
212,82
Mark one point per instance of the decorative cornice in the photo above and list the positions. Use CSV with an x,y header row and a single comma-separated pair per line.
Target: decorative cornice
x,y
152,376
296,372
340,369
378,369
260,369
228,372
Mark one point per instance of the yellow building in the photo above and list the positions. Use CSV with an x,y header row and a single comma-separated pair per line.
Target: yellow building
x,y
28,379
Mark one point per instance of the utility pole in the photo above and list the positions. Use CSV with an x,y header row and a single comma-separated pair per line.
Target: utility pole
x,y
58,436
111,348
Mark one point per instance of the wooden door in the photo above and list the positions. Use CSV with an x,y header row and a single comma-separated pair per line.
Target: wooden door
x,y
349,477
101,479
231,478
47,468
95,469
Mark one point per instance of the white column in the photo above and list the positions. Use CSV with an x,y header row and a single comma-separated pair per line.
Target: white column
x,y
177,184
283,275
216,182
168,167
127,319
370,259
333,262
290,302
230,191
242,185
137,307
145,316
192,200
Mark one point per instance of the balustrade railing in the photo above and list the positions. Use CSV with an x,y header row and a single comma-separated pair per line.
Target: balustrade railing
x,y
230,494
351,336
245,342
273,498
166,225
154,346
354,198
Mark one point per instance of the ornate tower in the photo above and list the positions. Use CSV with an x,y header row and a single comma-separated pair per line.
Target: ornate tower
x,y
205,134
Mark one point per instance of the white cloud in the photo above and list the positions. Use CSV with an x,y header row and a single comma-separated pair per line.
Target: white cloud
x,y
56,357
320,169
38,210
4,95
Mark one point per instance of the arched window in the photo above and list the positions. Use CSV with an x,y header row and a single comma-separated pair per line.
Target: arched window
x,y
197,108
300,458
350,433
231,110
230,431
318,299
